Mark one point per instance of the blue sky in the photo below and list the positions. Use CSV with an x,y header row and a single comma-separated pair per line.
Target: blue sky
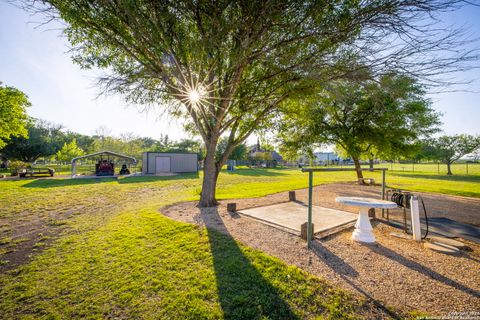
x,y
36,61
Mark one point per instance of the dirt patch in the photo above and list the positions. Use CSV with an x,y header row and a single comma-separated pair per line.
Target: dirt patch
x,y
394,272
30,235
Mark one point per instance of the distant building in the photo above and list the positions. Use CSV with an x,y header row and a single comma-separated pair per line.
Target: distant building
x,y
321,158
161,162
257,152
276,156
326,158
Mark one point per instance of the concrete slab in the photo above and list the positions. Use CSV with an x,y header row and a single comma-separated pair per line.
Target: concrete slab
x,y
291,215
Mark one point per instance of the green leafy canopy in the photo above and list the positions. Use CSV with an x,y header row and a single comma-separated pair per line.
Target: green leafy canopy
x,y
69,151
383,118
451,148
13,113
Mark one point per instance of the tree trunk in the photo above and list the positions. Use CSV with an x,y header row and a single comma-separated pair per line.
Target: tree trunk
x,y
449,171
358,168
371,163
209,184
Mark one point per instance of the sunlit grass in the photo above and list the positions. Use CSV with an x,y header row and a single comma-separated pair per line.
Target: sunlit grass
x,y
117,257
121,259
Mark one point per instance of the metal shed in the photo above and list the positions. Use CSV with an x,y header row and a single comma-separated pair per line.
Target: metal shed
x,y
161,162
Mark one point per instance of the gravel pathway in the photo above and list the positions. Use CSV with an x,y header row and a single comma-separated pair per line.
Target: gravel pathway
x,y
394,272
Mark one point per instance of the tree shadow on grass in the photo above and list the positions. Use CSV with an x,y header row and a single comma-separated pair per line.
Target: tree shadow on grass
x,y
415,266
257,172
55,183
143,179
243,292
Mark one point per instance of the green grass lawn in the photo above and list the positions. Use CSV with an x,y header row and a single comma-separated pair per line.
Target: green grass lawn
x,y
110,254
120,258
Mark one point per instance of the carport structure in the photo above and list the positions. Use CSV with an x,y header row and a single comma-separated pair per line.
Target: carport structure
x,y
104,159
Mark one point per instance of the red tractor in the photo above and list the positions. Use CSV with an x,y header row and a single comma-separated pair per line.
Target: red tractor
x,y
104,168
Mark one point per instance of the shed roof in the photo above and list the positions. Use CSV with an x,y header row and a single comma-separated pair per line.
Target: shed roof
x,y
111,153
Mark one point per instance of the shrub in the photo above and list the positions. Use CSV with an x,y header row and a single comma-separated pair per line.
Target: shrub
x,y
15,166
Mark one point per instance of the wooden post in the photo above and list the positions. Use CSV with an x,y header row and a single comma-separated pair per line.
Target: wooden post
x,y
231,207
292,196
383,190
310,226
304,234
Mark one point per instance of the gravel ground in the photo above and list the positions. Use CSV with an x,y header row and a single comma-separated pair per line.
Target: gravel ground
x,y
391,273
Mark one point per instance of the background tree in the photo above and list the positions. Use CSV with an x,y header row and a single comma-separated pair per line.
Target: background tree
x,y
51,140
44,139
147,143
262,156
84,142
187,145
426,151
238,153
164,144
449,149
13,114
366,119
226,66
69,151
132,144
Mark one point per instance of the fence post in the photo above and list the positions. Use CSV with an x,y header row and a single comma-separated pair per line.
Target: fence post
x,y
309,225
383,190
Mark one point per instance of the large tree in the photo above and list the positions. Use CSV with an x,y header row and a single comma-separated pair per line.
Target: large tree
x,y
13,114
226,66
44,139
449,149
363,119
